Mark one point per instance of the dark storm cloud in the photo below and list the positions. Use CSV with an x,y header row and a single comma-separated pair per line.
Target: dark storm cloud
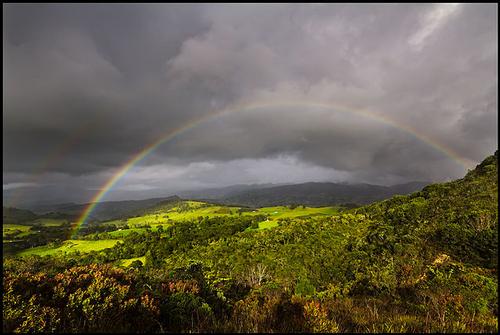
x,y
68,65
109,79
324,137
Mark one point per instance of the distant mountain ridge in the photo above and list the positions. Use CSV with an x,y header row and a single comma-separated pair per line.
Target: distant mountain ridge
x,y
256,195
316,194
22,216
15,215
223,192
107,210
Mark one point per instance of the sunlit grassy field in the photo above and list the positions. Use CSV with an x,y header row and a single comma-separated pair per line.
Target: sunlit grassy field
x,y
194,209
176,214
125,232
9,228
282,212
128,261
267,224
165,217
69,246
190,210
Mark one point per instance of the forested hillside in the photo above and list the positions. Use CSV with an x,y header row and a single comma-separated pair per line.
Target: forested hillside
x,y
14,215
261,195
107,210
425,262
314,194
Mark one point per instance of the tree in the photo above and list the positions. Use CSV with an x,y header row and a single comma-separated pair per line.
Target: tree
x,y
257,274
137,264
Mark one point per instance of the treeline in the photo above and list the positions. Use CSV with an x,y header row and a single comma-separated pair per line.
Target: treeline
x,y
159,244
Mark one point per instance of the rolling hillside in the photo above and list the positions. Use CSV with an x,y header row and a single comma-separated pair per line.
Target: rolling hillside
x,y
15,215
263,195
424,262
106,210
319,194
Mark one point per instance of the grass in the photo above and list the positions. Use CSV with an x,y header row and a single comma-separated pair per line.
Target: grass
x,y
267,225
69,246
283,212
147,219
125,232
264,225
126,262
115,222
9,228
28,229
197,209
194,204
191,210
176,214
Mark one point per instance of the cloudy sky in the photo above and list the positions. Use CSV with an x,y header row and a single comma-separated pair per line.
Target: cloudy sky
x,y
381,94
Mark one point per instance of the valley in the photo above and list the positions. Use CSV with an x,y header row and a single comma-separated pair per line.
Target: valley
x,y
151,219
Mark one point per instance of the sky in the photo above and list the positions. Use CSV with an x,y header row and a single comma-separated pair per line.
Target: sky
x,y
263,93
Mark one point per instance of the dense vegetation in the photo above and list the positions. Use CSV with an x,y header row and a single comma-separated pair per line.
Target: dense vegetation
x,y
37,232
426,262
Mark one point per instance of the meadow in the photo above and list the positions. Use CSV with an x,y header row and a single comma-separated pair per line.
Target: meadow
x,y
266,225
68,247
128,261
186,210
31,227
283,212
19,230
120,233
191,210
150,221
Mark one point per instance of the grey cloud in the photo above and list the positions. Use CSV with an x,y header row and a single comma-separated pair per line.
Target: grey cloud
x,y
86,86
58,77
325,137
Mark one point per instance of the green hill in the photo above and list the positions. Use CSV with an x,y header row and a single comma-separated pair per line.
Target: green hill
x,y
314,194
424,262
15,215
459,218
107,210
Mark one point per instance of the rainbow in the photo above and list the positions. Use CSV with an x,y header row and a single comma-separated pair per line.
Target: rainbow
x,y
193,123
